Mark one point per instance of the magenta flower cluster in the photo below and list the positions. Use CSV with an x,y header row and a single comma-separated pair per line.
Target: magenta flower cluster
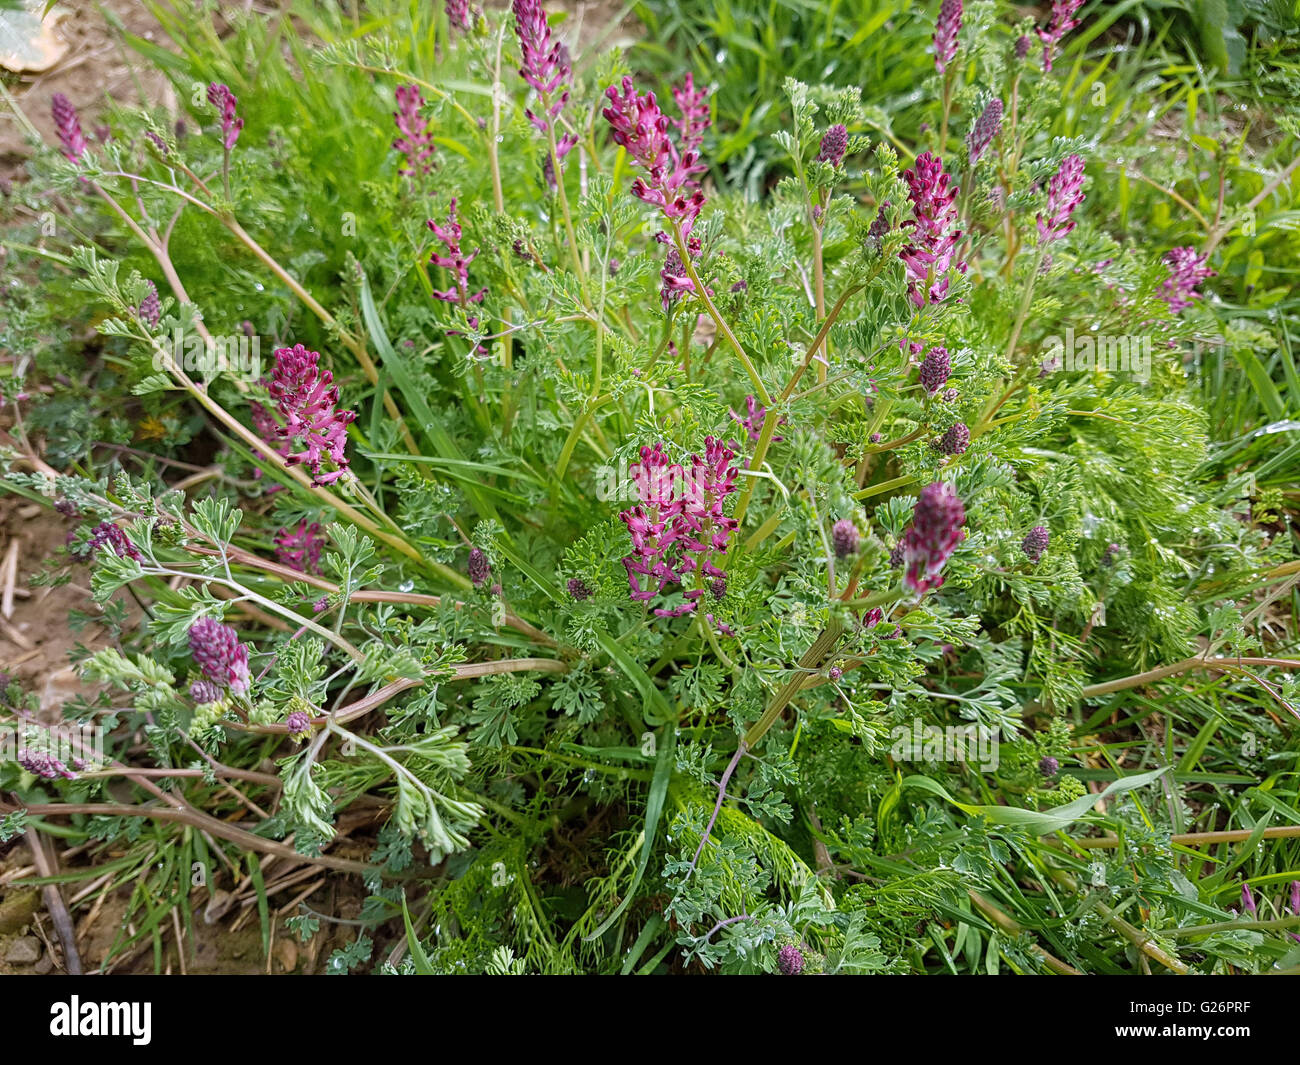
x,y
415,142
307,400
300,548
933,536
638,125
946,28
110,535
219,654
225,101
456,261
44,765
680,525
1064,194
1060,22
546,67
68,127
1187,269
458,15
150,309
928,256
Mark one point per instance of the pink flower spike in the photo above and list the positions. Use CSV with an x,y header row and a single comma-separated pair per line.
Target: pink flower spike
x,y
458,15
307,401
416,142
638,125
219,654
1064,194
1059,23
946,28
68,126
1187,269
455,261
301,548
933,536
693,104
225,101
928,256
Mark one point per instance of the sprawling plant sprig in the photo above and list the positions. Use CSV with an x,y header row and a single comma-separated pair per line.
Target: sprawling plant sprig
x,y
633,614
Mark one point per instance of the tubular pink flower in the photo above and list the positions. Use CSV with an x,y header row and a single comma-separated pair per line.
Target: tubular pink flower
x,y
456,261
1064,194
928,256
1059,23
219,654
300,548
225,101
755,413
946,28
546,67
415,142
1187,269
933,536
638,125
68,127
307,400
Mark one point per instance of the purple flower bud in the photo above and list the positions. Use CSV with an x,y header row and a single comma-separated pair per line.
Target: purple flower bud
x,y
835,673
875,438
1023,44
987,126
68,127
790,960
1035,542
150,307
108,533
222,658
204,691
1049,766
321,605
946,28
896,555
845,537
479,568
44,765
225,101
1110,554
935,532
718,588
879,227
956,440
1248,900
834,143
579,589
298,723
950,395
935,369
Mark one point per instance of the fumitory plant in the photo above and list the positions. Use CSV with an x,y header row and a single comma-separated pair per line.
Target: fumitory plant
x,y
650,574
